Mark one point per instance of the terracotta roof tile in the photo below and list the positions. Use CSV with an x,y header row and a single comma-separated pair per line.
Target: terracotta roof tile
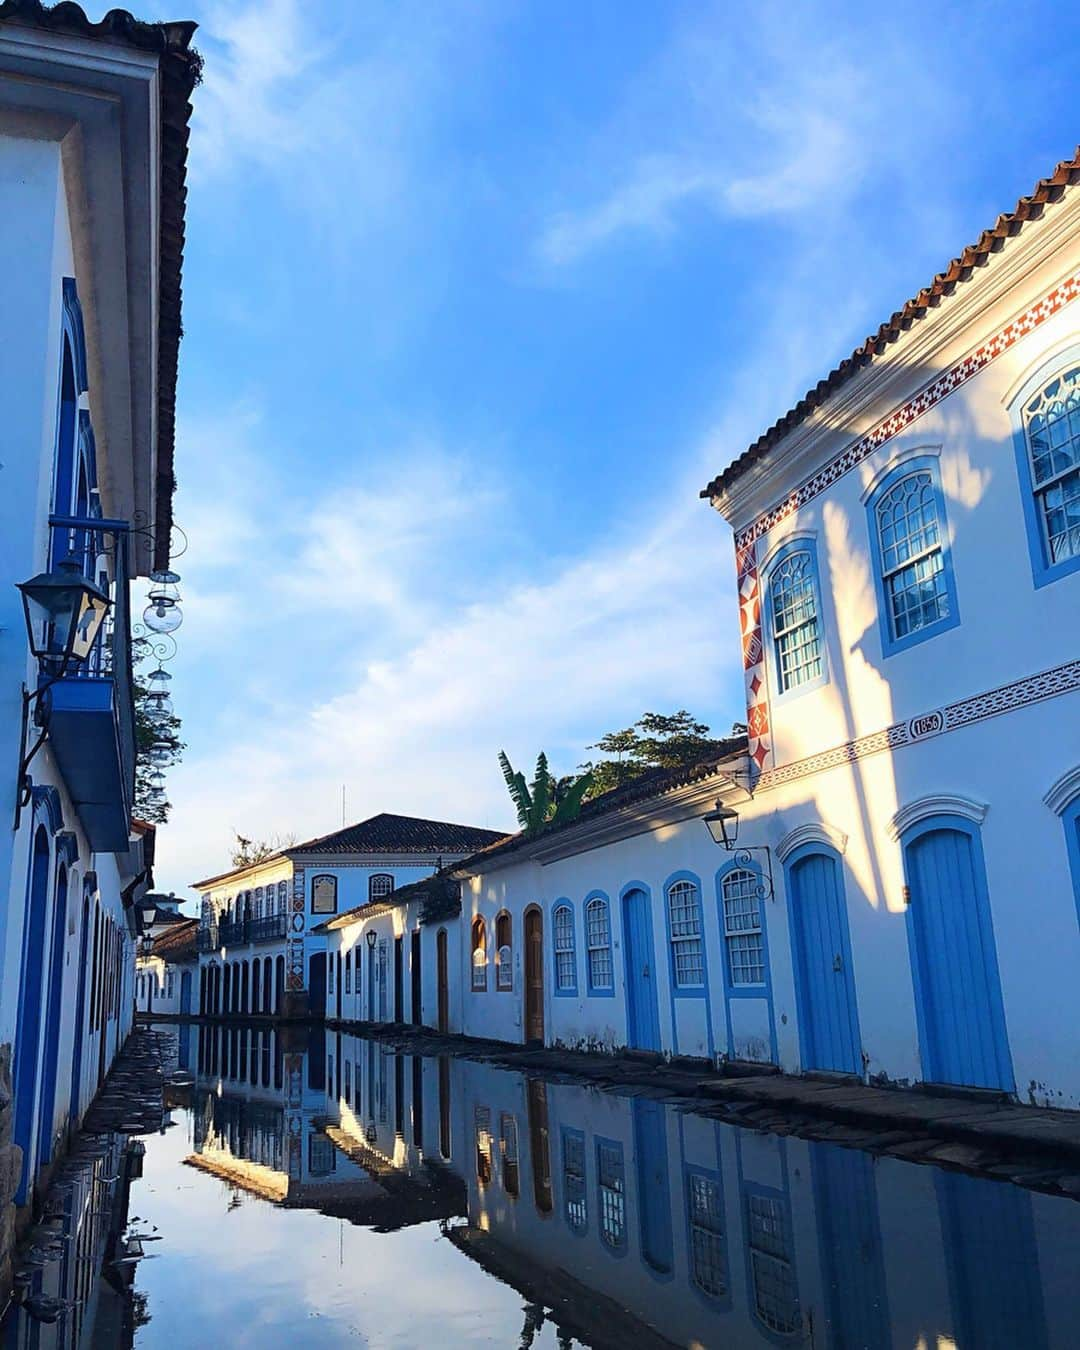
x,y
1047,191
389,833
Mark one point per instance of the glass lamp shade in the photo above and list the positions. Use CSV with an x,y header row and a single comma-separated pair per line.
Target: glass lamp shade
x,y
162,614
371,937
159,753
149,914
158,681
158,707
64,613
156,780
723,825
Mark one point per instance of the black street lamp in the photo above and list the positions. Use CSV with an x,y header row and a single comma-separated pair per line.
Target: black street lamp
x,y
723,825
64,613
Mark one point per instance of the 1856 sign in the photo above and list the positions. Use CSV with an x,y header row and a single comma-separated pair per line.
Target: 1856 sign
x,y
929,724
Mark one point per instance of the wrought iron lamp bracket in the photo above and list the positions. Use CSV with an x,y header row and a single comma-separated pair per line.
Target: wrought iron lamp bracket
x,y
744,857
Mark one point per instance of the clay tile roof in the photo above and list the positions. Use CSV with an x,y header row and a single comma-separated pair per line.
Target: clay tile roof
x,y
1047,191
181,69
178,944
388,833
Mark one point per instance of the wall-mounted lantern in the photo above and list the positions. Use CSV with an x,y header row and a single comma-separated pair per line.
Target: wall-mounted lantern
x,y
723,825
64,612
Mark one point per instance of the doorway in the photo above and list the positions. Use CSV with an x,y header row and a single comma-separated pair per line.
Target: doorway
x,y
642,1015
824,979
416,1010
534,975
399,979
443,978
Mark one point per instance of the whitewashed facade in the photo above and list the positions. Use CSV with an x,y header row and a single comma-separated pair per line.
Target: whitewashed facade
x,y
92,147
266,941
908,559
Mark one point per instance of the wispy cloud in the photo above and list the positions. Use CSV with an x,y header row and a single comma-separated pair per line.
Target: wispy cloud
x,y
734,119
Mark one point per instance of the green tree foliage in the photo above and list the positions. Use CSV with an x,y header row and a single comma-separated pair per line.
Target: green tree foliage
x,y
655,741
546,800
155,811
247,852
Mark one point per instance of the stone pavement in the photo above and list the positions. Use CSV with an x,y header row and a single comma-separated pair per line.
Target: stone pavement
x,y
986,1133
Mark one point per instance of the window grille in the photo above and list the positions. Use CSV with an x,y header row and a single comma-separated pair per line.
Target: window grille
x,y
687,944
565,956
776,1297
598,944
508,1145
482,1121
282,896
575,1200
380,885
256,909
912,560
1052,429
708,1257
743,933
348,971
611,1184
479,955
795,622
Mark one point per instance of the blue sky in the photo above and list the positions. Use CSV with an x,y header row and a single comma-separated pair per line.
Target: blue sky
x,y
477,297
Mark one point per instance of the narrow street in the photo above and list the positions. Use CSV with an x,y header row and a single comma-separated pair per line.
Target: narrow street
x,y
306,1187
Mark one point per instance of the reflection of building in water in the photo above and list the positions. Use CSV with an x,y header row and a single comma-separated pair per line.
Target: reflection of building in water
x,y
84,1257
628,1223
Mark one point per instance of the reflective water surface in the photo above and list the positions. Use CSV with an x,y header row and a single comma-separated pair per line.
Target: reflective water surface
x,y
321,1190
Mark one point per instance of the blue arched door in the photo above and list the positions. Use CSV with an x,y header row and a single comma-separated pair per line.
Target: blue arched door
x,y
961,1017
824,980
642,1014
28,1033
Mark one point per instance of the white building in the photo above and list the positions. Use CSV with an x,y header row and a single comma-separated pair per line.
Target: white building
x,y
263,936
167,967
93,141
908,560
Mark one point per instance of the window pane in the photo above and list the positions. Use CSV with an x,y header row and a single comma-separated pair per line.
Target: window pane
x,y
776,1297
611,1185
742,928
565,965
911,557
796,631
708,1258
598,942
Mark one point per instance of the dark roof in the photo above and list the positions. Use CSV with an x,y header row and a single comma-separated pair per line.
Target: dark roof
x,y
181,67
178,944
1047,191
388,833
648,785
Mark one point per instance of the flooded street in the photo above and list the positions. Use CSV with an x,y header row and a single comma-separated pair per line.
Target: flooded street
x,y
317,1189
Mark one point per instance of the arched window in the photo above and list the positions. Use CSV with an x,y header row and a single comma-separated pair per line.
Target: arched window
x,y
913,568
380,885
482,1120
611,1188
562,925
598,944
794,615
257,909
743,934
508,1146
772,1269
574,1192
1051,425
504,956
282,896
685,931
479,954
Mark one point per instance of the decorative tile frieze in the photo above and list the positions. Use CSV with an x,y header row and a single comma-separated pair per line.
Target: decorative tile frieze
x,y
937,722
901,418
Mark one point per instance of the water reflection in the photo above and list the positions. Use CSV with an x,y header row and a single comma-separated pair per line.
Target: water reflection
x,y
618,1220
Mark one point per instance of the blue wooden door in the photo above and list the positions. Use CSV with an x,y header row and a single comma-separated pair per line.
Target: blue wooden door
x,y
828,1021
185,992
642,1016
653,1185
954,960
850,1248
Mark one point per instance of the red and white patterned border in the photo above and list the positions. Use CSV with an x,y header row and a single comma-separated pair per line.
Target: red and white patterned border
x,y
1032,689
757,710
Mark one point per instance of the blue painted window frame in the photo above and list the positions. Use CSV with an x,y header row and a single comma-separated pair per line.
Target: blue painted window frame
x,y
735,991
686,990
782,1199
802,543
1070,819
600,991
1043,572
891,645
571,990
578,1136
